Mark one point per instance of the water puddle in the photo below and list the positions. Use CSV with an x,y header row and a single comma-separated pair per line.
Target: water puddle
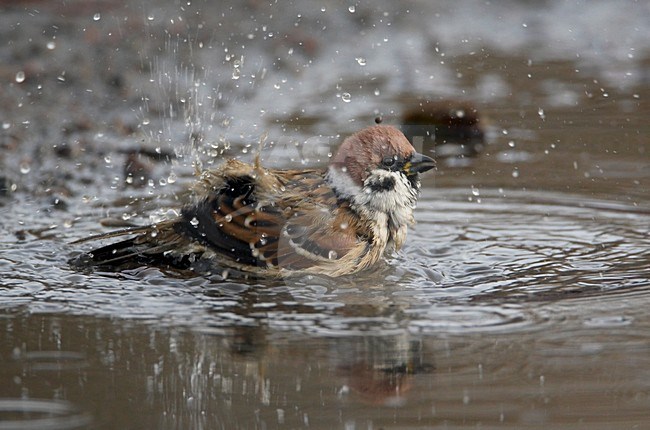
x,y
470,265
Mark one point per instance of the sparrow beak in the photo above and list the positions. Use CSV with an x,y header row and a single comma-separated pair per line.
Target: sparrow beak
x,y
419,163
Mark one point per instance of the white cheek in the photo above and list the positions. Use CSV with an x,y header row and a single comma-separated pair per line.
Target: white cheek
x,y
342,182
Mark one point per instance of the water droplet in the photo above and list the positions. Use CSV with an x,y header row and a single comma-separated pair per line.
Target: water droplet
x,y
377,92
515,173
20,77
540,112
97,16
511,144
162,182
352,9
228,218
332,255
344,225
154,233
171,178
361,61
236,71
194,221
6,125
150,18
25,167
50,45
346,97
475,191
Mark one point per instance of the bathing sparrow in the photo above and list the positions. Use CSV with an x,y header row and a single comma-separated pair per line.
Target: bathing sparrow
x,y
334,221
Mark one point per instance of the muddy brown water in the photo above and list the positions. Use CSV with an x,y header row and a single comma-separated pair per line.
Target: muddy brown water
x,y
520,300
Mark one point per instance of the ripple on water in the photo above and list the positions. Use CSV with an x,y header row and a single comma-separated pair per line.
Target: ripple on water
x,y
528,244
51,360
474,318
467,267
27,414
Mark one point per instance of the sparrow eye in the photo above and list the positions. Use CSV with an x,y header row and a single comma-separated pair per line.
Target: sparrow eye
x,y
389,161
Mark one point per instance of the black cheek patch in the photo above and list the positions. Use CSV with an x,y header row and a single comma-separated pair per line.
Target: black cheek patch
x,y
383,184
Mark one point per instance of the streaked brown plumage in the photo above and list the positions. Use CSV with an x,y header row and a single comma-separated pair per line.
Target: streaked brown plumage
x,y
333,221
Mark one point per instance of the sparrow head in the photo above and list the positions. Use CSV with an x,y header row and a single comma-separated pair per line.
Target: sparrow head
x,y
377,159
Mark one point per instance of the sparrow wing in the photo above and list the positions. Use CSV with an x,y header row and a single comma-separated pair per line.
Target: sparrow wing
x,y
225,220
277,219
232,222
311,239
319,229
251,219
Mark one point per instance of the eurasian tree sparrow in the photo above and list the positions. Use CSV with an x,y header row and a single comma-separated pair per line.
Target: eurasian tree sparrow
x,y
333,221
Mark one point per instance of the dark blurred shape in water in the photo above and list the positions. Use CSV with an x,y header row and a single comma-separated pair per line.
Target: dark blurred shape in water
x,y
444,127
